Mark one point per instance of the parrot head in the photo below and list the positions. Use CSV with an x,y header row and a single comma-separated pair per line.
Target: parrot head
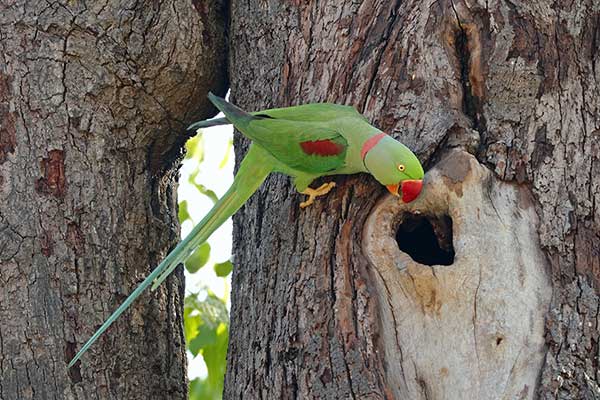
x,y
396,167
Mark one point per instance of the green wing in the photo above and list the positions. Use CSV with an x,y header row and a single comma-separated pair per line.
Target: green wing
x,y
303,146
307,146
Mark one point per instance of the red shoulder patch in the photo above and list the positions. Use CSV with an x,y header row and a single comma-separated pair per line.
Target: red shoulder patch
x,y
322,148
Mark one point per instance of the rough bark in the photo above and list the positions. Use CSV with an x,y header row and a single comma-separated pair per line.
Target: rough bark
x,y
514,83
92,95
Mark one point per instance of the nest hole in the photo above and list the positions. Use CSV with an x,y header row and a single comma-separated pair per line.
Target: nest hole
x,y
426,239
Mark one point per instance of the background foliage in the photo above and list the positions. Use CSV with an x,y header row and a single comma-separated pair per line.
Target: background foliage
x,y
206,315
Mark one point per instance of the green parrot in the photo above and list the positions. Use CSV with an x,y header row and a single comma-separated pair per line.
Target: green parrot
x,y
305,142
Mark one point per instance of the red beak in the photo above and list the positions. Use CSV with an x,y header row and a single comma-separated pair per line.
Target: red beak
x,y
411,190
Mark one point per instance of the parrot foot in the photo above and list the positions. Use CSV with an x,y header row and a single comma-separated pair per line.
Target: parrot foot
x,y
314,193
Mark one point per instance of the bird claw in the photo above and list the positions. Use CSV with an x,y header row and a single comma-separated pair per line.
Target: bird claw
x,y
314,193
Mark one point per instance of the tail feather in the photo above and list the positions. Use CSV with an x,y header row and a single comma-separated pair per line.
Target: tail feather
x,y
201,233
233,114
145,283
253,170
236,115
207,124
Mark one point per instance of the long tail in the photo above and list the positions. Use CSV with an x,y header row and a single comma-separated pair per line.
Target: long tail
x,y
253,170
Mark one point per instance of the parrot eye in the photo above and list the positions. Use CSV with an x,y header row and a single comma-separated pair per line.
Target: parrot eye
x,y
401,167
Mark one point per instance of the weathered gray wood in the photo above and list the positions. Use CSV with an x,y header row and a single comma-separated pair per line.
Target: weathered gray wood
x,y
92,97
515,83
473,329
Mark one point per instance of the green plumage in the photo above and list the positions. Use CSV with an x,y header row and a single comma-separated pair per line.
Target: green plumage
x,y
304,142
281,136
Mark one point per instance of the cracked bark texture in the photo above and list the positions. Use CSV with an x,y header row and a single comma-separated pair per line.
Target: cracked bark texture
x,y
92,95
514,83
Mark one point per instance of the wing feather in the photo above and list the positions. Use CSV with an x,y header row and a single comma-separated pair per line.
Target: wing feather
x,y
305,146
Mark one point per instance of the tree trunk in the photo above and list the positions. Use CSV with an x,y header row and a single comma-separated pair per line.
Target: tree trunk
x,y
487,286
91,99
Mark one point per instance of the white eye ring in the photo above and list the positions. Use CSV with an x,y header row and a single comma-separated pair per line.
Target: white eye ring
x,y
401,167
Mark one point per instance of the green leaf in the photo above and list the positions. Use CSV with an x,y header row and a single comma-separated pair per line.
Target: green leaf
x,y
227,153
201,390
223,269
207,336
197,390
209,320
183,213
207,192
215,358
190,327
198,259
193,176
200,187
195,148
